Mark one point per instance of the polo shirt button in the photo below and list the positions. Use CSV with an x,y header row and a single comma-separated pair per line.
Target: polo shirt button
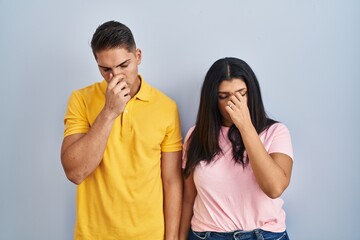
x,y
126,111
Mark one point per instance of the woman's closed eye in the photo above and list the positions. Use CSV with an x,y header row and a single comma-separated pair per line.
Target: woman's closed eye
x,y
223,96
243,93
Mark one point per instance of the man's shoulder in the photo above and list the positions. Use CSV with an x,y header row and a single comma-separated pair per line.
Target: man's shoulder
x,y
157,94
161,93
92,89
164,98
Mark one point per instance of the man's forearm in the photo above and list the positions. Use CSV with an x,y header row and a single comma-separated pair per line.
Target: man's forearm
x,y
82,153
172,209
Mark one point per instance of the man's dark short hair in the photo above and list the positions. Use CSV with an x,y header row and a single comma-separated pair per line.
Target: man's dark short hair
x,y
110,35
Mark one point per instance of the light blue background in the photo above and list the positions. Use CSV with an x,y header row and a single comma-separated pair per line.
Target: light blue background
x,y
306,55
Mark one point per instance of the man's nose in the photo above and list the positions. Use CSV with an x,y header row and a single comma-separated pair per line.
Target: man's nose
x,y
117,71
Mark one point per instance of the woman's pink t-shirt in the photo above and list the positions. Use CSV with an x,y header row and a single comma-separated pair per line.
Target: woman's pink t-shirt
x,y
228,196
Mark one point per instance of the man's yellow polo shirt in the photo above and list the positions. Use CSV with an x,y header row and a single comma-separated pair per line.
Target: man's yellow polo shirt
x,y
123,197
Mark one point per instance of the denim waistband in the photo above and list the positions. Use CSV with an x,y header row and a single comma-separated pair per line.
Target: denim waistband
x,y
257,234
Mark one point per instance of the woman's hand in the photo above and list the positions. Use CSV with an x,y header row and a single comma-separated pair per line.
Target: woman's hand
x,y
239,111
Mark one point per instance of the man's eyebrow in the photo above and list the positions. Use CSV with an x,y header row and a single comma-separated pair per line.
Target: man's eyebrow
x,y
103,67
124,62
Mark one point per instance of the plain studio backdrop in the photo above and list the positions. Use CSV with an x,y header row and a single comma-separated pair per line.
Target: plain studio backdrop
x,y
305,54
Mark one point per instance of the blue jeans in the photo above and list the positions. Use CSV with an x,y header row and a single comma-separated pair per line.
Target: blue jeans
x,y
257,234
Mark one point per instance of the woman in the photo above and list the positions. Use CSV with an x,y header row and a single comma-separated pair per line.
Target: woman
x,y
237,161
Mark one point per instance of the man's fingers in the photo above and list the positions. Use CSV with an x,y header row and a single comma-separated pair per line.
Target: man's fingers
x,y
125,92
115,80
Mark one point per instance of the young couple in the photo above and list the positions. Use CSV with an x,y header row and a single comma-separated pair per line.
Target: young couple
x,y
137,179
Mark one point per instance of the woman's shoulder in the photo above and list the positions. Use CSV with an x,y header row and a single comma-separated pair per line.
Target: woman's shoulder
x,y
276,128
188,134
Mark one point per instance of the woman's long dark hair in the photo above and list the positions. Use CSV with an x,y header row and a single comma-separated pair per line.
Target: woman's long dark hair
x,y
203,143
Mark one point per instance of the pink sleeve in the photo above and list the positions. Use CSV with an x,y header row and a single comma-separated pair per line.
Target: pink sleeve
x,y
185,146
277,139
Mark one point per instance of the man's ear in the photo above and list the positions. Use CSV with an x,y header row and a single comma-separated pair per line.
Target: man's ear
x,y
138,55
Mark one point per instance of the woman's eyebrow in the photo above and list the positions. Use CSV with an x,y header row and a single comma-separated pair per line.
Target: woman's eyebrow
x,y
230,92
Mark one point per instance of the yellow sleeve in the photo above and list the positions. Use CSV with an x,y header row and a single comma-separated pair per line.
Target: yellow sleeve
x,y
75,119
173,138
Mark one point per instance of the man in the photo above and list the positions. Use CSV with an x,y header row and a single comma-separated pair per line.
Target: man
x,y
122,147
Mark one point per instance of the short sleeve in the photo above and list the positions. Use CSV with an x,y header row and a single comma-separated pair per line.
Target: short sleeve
x,y
185,146
173,138
277,139
75,119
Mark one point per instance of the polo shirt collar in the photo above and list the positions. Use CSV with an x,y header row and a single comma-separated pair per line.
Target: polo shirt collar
x,y
144,92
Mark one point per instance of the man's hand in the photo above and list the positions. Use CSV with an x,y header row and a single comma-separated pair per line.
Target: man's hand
x,y
117,95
